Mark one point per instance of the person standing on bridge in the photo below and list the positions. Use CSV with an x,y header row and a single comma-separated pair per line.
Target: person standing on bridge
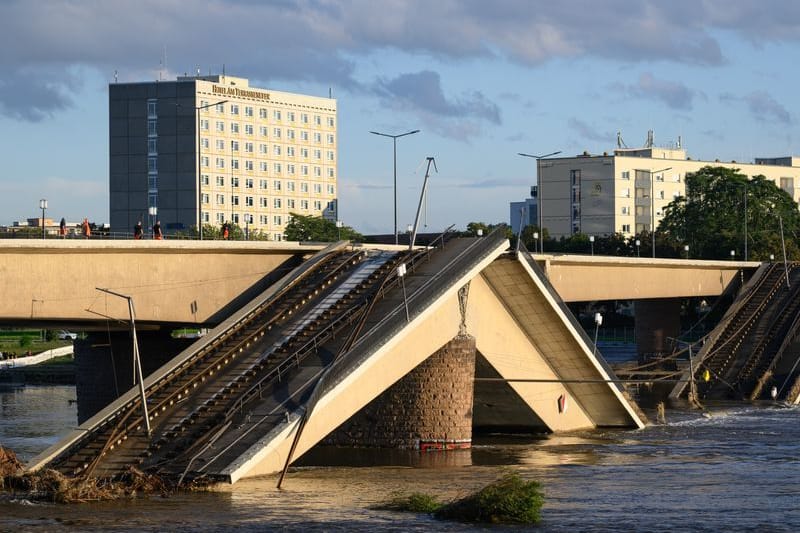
x,y
225,231
86,228
138,231
62,228
157,235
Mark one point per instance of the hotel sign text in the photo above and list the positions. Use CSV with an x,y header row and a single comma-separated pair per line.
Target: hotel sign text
x,y
241,93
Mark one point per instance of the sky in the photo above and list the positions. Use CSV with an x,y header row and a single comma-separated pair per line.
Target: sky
x,y
481,80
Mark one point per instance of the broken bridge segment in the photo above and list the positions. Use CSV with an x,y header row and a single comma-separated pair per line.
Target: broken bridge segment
x,y
521,328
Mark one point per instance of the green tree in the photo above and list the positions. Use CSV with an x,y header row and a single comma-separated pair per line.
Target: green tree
x,y
711,217
318,229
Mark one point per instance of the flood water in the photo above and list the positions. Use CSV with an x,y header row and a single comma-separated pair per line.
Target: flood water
x,y
737,470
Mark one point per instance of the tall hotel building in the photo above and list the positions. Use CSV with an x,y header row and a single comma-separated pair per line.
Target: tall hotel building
x,y
212,148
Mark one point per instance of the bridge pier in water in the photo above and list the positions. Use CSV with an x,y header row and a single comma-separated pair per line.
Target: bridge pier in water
x,y
428,409
104,364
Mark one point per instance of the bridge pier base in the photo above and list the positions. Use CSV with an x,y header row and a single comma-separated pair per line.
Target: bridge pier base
x,y
428,409
655,321
104,365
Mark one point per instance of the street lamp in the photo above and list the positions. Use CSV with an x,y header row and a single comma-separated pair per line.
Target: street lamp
x,y
733,254
153,212
246,227
197,110
686,249
598,320
394,145
638,244
653,204
43,207
591,243
536,238
339,225
538,158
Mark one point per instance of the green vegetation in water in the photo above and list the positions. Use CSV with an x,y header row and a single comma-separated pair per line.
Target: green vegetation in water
x,y
509,500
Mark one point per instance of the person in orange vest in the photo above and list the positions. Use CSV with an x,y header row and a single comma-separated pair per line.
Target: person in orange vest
x,y
157,235
138,231
225,231
87,230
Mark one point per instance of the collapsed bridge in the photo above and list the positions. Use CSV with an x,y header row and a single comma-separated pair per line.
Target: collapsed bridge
x,y
333,340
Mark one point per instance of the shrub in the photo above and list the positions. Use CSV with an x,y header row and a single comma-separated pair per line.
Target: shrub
x,y
508,500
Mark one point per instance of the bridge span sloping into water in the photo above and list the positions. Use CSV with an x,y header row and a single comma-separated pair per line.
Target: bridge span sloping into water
x,y
315,348
755,347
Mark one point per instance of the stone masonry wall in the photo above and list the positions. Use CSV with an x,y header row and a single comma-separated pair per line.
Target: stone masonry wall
x,y
429,408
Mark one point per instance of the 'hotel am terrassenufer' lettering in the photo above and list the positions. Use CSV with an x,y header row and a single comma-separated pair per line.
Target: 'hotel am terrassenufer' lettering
x,y
241,93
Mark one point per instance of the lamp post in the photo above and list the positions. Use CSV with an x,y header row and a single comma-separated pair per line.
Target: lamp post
x,y
247,226
686,249
538,158
394,147
653,204
598,319
733,254
43,207
339,225
197,110
591,243
536,238
153,212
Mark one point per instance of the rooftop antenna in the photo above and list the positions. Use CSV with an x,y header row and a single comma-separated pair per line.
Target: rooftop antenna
x,y
330,92
680,142
223,70
116,76
649,143
198,71
620,142
431,160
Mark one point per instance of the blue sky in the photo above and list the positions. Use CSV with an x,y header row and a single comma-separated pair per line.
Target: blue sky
x,y
482,80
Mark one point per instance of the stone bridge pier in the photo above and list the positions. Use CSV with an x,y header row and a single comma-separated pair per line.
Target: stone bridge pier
x,y
428,409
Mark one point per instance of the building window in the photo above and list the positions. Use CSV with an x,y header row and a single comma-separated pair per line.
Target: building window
x,y
304,170
235,200
277,133
152,164
317,154
276,167
317,120
318,172
204,179
248,183
262,148
304,136
304,187
152,109
263,202
220,126
220,199
304,118
626,174
317,137
317,188
276,185
204,124
626,210
330,155
262,184
330,138
248,147
290,134
152,128
206,217
277,220
262,130
248,164
235,218
234,127
235,164
220,108
290,186
234,109
152,200
220,218
248,111
787,184
276,203
263,166
204,161
304,205
152,146
331,189
152,182
290,203
290,116
330,122
290,151
205,198
220,162
290,169
276,114
248,129
626,228
331,173
262,113
234,146
220,144
276,149
205,144
317,205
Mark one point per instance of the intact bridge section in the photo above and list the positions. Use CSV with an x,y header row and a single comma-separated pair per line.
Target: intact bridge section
x,y
444,339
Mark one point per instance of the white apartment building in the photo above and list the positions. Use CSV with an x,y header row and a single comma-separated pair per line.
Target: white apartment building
x,y
627,191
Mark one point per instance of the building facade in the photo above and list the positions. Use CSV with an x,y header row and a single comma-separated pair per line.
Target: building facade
x,y
626,192
212,149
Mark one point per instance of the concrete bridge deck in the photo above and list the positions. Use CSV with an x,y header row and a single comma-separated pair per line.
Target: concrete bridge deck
x,y
318,346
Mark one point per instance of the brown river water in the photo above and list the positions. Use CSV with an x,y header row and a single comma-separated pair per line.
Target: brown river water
x,y
735,470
